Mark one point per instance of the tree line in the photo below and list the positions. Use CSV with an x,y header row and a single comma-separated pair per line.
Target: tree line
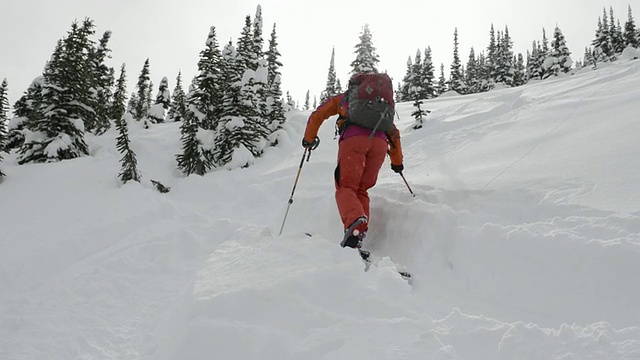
x,y
233,109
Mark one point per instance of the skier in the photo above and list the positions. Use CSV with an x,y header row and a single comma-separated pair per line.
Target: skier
x,y
361,152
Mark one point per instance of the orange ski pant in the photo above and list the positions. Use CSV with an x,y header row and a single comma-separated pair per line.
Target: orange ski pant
x,y
359,161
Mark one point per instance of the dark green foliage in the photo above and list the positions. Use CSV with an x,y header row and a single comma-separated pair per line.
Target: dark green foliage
x,y
118,104
275,116
631,36
59,133
191,160
101,81
129,170
457,75
157,112
330,88
419,114
4,109
366,58
140,104
205,100
178,107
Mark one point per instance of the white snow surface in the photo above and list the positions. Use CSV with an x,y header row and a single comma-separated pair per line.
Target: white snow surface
x,y
523,240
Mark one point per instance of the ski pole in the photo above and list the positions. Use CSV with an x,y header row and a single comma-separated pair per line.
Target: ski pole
x,y
406,183
295,183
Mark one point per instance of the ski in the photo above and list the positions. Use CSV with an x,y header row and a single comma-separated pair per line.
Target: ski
x,y
368,261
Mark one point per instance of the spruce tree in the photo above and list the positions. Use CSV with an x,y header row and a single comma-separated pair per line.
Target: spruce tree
x,y
534,68
330,88
139,103
102,79
118,105
129,170
631,31
416,90
602,44
404,88
307,105
419,114
543,54
276,117
428,76
471,75
615,31
442,81
492,56
505,59
520,74
4,110
559,60
178,101
205,100
247,58
158,111
258,41
457,76
192,159
59,133
366,58
26,109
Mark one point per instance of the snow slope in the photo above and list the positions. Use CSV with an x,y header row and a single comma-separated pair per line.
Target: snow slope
x,y
523,239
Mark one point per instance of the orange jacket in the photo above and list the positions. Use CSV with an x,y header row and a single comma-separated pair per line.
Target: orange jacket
x,y
332,107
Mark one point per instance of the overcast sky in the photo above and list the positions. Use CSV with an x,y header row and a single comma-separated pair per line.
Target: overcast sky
x,y
172,33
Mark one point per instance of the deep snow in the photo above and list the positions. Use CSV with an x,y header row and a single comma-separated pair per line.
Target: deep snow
x,y
523,239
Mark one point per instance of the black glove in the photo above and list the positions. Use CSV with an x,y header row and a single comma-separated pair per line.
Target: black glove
x,y
311,145
397,168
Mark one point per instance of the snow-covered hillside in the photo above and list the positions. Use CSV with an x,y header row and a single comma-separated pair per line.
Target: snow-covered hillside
x,y
523,240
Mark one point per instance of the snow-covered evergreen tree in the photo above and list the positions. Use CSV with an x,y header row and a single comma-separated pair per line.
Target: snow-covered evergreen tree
x,y
4,110
118,104
192,159
505,68
246,56
258,41
415,85
615,31
442,82
275,105
366,57
205,100
129,170
101,82
403,90
307,99
472,75
428,75
330,88
59,133
603,44
158,111
26,108
456,74
178,101
492,56
520,74
534,67
559,59
139,103
631,37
